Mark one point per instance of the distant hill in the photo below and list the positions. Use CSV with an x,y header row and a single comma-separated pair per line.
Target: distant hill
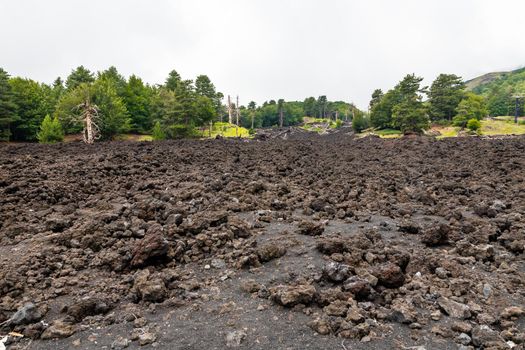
x,y
483,80
498,88
487,81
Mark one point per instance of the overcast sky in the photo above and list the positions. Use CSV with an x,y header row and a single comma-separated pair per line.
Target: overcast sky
x,y
265,49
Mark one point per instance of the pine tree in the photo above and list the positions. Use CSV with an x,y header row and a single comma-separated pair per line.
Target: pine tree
x,y
50,131
78,76
158,133
7,107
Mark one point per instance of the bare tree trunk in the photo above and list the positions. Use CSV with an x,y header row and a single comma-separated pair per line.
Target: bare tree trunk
x,y
281,117
336,115
237,114
230,119
253,116
91,130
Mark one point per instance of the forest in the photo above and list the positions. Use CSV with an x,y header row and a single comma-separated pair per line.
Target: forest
x,y
176,108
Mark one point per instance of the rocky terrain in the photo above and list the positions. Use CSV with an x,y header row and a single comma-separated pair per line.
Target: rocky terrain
x,y
314,242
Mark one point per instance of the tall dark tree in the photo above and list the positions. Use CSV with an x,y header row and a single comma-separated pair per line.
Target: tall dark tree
x,y
252,106
280,109
309,105
204,87
444,96
322,103
119,82
33,104
137,98
78,76
185,94
376,98
7,107
173,80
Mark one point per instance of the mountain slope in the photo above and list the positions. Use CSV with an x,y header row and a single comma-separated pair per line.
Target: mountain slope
x,y
499,88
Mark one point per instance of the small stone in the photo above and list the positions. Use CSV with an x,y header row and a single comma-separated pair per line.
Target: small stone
x,y
207,267
358,286
120,343
336,272
320,326
354,315
461,327
293,295
441,273
454,309
463,339
436,315
25,315
484,335
58,329
487,290
270,251
147,338
512,311
309,228
336,308
235,338
390,275
435,235
218,263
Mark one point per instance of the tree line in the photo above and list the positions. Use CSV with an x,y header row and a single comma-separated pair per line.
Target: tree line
x,y
173,109
404,107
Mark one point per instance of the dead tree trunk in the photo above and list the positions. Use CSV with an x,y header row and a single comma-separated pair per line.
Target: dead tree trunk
x,y
230,117
281,117
89,114
237,114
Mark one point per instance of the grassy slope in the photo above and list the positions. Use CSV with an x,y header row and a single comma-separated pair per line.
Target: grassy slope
x,y
225,130
489,127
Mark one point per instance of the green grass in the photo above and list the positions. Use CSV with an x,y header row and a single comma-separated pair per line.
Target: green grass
x,y
498,126
447,131
225,130
501,127
383,133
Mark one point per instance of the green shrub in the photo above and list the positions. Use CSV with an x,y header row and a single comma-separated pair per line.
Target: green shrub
x,y
473,124
158,133
442,122
360,123
50,131
181,131
251,131
460,120
338,123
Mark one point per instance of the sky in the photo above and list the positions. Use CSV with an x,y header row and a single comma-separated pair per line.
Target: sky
x,y
265,49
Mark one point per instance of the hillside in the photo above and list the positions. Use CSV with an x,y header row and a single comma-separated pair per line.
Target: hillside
x,y
484,80
489,81
499,88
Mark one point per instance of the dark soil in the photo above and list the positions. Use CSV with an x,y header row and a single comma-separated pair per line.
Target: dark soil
x,y
314,242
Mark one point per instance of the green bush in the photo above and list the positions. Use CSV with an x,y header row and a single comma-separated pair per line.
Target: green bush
x,y
338,123
360,123
251,131
442,122
460,120
181,131
158,133
50,131
473,124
